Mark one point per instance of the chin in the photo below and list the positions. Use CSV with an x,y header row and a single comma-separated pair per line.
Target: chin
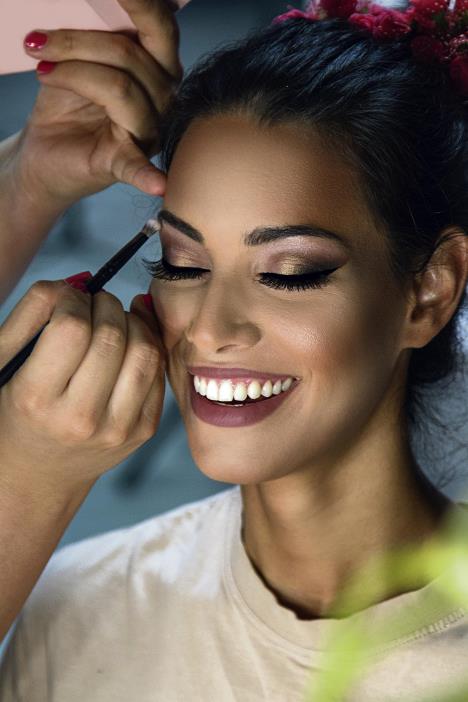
x,y
238,472
223,472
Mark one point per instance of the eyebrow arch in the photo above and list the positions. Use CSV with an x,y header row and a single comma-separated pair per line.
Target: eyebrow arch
x,y
259,235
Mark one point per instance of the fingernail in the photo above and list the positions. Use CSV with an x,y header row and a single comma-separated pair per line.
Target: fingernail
x,y
78,281
148,300
45,66
35,40
79,276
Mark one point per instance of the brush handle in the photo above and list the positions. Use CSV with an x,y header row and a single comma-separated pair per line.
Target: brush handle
x,y
104,274
93,285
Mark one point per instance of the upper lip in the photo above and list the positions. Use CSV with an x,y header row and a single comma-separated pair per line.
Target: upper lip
x,y
238,373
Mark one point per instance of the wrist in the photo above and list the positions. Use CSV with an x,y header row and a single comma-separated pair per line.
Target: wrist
x,y
23,194
56,502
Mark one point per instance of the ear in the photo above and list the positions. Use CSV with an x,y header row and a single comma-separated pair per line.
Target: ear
x,y
436,291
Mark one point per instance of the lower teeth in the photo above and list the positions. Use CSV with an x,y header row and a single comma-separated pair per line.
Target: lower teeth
x,y
230,404
242,404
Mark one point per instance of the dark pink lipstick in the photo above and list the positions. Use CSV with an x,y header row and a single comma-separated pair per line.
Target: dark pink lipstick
x,y
236,416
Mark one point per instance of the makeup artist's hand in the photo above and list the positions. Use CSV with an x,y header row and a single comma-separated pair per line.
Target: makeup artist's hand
x,y
95,120
90,393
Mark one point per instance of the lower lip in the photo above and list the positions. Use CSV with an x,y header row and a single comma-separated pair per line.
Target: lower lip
x,y
225,416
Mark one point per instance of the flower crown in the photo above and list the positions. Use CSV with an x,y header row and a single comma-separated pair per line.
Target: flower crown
x,y
437,33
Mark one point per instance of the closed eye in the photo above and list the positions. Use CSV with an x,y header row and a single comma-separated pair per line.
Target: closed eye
x,y
163,270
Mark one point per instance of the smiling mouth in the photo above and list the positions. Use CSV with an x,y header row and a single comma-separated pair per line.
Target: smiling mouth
x,y
248,400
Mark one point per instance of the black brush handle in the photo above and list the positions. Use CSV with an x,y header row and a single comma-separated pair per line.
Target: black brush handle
x,y
93,285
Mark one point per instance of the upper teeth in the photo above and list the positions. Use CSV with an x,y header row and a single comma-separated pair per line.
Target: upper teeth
x,y
229,390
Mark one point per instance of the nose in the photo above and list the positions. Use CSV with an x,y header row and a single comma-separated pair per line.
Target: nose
x,y
222,319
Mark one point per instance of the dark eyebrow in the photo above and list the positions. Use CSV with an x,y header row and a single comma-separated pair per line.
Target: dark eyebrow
x,y
259,235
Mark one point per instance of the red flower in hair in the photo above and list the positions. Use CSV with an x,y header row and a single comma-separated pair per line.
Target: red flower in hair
x,y
430,7
338,8
428,49
384,23
458,45
363,19
291,14
438,33
391,24
430,15
459,72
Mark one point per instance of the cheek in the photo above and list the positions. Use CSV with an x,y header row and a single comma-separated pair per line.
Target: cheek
x,y
174,311
351,339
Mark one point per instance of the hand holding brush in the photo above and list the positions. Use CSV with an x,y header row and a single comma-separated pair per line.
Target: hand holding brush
x,y
89,393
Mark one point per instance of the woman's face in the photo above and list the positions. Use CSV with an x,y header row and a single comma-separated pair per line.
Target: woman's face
x,y
342,340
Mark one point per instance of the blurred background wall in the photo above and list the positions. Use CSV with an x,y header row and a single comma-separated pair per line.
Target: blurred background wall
x,y
161,474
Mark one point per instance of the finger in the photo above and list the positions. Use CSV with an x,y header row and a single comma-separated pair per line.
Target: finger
x,y
158,32
27,317
151,411
111,49
93,382
124,101
141,365
60,349
139,308
130,165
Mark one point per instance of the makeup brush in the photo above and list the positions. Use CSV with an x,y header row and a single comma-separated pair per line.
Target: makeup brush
x,y
93,285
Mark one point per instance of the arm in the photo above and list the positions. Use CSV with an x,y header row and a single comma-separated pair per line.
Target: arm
x,y
55,442
85,132
81,137
32,522
24,223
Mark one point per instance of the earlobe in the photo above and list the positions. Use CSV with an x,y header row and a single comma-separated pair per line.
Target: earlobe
x,y
438,289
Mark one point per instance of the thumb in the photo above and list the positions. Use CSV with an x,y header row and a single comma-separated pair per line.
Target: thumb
x,y
131,166
142,307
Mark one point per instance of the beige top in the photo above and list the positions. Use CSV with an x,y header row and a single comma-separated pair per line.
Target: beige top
x,y
172,610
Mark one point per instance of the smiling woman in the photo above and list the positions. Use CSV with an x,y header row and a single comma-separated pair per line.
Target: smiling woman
x,y
313,271
355,293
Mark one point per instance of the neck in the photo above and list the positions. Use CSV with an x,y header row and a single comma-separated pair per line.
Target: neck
x,y
307,532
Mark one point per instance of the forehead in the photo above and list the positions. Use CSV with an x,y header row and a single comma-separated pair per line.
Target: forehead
x,y
227,169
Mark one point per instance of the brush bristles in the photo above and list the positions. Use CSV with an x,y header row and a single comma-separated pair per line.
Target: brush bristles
x,y
151,227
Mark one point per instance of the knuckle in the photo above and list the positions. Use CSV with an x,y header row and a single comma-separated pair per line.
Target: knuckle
x,y
45,290
68,41
146,429
109,337
146,356
81,428
122,86
124,49
116,436
29,404
150,415
74,328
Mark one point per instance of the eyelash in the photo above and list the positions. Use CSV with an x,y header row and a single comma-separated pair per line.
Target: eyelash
x,y
162,270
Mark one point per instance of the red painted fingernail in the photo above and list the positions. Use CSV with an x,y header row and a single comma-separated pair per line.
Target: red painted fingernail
x,y
45,66
148,300
78,281
79,276
35,40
